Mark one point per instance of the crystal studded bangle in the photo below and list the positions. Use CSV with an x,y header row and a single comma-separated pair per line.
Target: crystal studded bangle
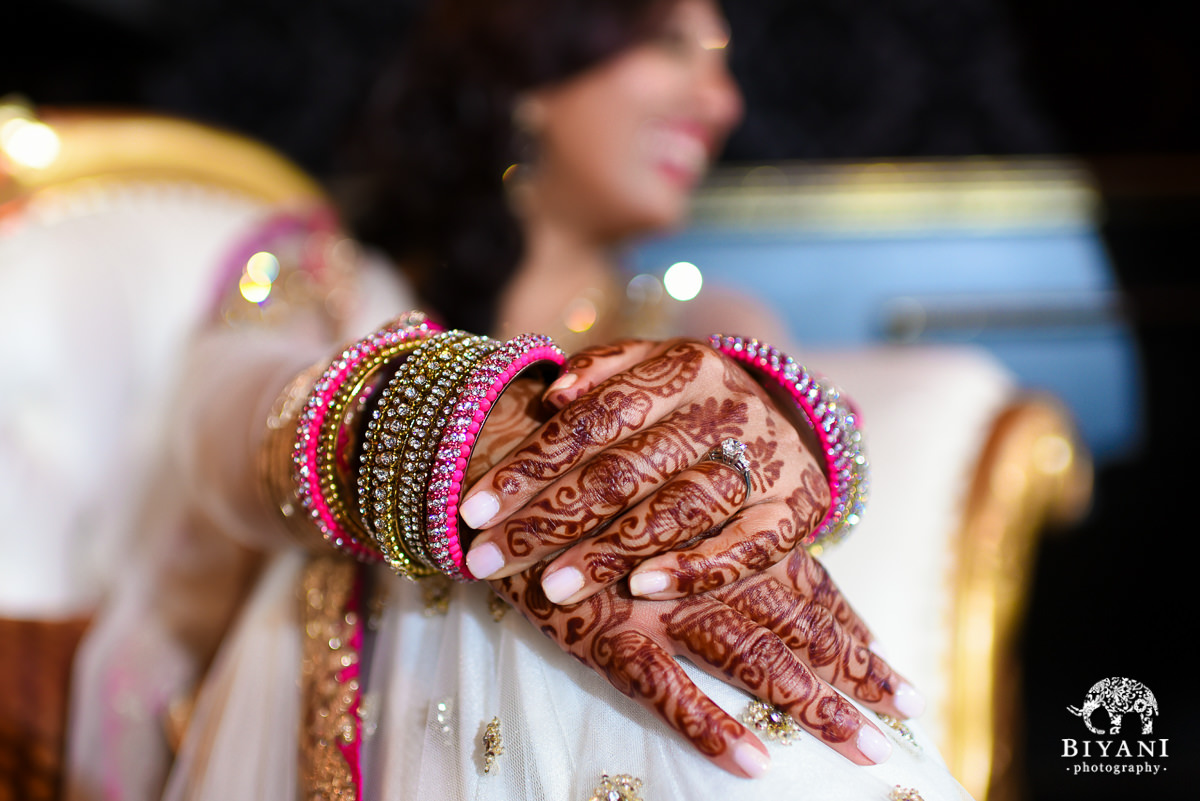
x,y
400,442
468,414
832,417
319,488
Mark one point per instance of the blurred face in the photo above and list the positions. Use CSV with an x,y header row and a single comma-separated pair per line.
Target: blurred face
x,y
621,146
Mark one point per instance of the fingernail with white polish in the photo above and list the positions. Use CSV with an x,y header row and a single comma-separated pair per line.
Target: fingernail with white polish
x,y
872,744
752,761
565,381
477,510
648,582
910,702
562,584
484,559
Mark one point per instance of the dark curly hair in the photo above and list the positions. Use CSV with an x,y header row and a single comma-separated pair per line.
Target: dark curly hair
x,y
439,135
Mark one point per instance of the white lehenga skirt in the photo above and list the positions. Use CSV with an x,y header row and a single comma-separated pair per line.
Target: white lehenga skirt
x,y
437,676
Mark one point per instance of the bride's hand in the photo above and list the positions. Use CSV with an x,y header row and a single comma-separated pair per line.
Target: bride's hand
x,y
771,634
618,479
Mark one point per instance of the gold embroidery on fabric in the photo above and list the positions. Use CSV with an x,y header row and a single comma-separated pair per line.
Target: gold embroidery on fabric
x,y
436,592
901,728
329,680
493,745
498,607
621,787
772,722
904,794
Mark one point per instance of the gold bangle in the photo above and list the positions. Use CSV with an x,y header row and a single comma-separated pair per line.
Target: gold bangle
x,y
318,441
399,443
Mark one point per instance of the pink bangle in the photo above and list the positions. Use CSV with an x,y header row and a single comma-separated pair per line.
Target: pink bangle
x,y
486,383
834,419
315,454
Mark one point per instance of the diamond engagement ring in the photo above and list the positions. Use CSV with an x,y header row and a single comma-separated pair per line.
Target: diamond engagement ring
x,y
732,453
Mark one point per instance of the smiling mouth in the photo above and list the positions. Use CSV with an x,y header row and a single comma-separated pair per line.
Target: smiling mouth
x,y
680,153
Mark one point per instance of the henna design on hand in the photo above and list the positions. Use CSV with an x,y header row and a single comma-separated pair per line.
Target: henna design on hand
x,y
810,628
760,661
515,415
680,512
617,478
809,576
632,641
585,359
759,631
621,404
601,633
630,437
763,543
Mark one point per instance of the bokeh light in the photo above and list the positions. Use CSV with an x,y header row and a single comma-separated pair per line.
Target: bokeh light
x,y
263,267
261,271
683,280
644,288
29,143
580,315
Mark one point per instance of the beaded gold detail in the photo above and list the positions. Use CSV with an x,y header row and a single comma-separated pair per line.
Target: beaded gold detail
x,y
498,607
436,592
904,794
621,787
900,728
320,465
443,374
330,679
399,445
335,411
772,722
493,745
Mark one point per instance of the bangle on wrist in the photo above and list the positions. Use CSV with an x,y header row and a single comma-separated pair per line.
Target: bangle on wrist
x,y
319,487
470,411
832,417
410,468
420,439
398,446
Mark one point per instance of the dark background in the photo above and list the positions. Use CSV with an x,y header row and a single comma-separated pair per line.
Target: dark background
x,y
1116,84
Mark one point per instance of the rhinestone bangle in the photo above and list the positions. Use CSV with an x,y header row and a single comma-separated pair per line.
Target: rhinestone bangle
x,y
832,417
314,454
383,454
400,444
470,411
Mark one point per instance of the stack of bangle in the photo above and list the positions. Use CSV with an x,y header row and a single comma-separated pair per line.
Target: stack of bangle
x,y
833,418
403,506
432,391
320,435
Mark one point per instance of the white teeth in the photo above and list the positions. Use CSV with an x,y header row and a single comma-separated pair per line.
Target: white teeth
x,y
680,150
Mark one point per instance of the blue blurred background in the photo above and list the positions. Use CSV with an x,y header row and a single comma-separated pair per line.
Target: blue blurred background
x,y
1003,255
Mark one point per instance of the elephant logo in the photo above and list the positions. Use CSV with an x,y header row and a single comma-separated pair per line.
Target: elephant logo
x,y
1118,696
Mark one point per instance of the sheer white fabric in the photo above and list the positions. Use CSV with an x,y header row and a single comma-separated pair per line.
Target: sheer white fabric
x,y
175,546
99,291
437,680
